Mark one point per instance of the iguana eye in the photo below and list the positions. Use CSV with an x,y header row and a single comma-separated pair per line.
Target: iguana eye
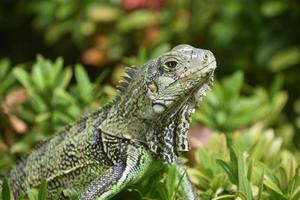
x,y
171,64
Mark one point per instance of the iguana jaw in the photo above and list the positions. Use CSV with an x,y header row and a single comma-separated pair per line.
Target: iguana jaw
x,y
206,85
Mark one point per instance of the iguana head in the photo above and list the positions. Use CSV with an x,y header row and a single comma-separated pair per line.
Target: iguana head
x,y
176,78
158,98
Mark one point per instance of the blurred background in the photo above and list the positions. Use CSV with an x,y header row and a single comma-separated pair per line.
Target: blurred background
x,y
60,59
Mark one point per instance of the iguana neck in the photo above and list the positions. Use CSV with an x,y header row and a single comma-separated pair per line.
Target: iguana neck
x,y
164,137
122,119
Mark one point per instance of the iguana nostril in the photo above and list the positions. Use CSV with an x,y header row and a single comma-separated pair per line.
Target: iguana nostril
x,y
205,58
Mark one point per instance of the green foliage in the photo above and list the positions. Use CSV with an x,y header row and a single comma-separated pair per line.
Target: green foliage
x,y
46,86
257,50
50,105
237,170
250,166
32,194
52,102
5,192
7,79
226,109
42,191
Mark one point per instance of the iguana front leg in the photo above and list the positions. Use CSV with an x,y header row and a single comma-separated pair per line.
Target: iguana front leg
x,y
114,179
187,189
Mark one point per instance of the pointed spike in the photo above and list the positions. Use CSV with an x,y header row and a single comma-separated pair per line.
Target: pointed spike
x,y
129,73
127,78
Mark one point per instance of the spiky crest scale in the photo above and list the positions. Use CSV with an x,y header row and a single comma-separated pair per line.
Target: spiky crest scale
x,y
129,74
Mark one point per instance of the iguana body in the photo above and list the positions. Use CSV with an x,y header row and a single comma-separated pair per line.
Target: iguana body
x,y
105,151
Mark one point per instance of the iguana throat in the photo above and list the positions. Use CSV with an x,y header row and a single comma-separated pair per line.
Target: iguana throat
x,y
156,100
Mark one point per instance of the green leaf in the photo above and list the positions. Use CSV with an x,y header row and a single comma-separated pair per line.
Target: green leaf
x,y
218,181
250,169
273,8
276,85
282,178
232,87
136,20
296,194
32,194
103,13
21,197
23,77
171,181
101,77
42,117
294,185
204,118
42,190
261,186
38,103
161,190
226,196
179,182
63,117
56,72
284,59
63,79
19,147
65,96
4,67
6,83
83,83
5,190
203,157
272,186
227,169
243,182
38,77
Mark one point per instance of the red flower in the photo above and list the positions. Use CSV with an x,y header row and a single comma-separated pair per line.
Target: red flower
x,y
133,4
155,4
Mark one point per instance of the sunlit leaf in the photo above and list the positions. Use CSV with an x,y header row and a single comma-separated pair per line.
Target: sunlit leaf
x,y
284,59
23,77
273,8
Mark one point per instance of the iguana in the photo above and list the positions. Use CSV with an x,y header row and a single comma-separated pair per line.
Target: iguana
x,y
105,151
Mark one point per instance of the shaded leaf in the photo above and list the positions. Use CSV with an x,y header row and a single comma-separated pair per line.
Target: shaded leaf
x,y
5,190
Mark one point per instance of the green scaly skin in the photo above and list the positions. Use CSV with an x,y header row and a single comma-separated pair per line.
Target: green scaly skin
x,y
105,151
